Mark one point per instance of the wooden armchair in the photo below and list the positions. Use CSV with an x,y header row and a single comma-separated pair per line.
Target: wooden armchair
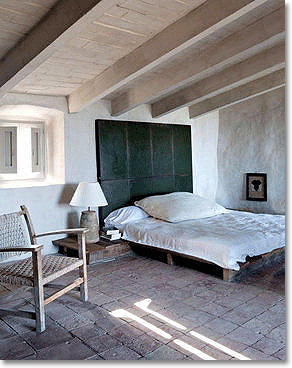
x,y
37,271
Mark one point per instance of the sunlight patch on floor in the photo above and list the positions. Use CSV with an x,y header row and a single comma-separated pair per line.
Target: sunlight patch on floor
x,y
193,350
122,313
218,346
144,305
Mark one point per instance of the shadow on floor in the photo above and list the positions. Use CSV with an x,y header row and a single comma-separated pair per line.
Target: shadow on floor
x,y
268,273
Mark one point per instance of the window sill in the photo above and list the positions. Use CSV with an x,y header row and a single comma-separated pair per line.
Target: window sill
x,y
26,183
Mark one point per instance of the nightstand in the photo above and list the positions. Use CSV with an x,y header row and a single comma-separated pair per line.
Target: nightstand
x,y
102,251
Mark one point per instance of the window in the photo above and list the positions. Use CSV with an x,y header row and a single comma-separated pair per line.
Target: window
x,y
22,146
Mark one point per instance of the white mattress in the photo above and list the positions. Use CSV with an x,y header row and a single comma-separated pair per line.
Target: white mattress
x,y
223,239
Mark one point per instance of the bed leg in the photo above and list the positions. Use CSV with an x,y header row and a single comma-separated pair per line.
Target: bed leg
x,y
169,259
228,274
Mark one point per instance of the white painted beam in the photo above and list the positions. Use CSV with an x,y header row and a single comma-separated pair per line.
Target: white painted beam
x,y
195,26
254,88
261,64
258,36
54,30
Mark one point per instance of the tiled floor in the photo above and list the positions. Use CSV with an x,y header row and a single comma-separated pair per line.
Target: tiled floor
x,y
188,315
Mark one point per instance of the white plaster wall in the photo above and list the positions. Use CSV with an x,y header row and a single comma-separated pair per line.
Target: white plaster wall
x,y
45,207
204,142
80,153
252,139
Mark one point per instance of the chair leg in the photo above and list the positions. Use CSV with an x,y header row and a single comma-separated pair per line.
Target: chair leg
x,y
38,291
39,308
83,268
84,291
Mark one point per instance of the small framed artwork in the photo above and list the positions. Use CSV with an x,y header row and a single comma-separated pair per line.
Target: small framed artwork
x,y
256,187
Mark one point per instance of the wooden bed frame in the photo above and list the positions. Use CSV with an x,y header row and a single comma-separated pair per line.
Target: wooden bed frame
x,y
252,263
128,171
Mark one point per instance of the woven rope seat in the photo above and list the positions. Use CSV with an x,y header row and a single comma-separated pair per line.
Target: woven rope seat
x,y
21,272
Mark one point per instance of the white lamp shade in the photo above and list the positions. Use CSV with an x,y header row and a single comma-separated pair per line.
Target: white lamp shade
x,y
88,195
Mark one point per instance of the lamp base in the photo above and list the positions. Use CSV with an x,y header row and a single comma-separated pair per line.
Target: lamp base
x,y
89,220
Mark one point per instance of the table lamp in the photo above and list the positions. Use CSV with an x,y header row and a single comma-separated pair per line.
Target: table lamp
x,y
89,195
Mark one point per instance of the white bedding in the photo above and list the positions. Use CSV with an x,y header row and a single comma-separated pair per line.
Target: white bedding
x,y
223,239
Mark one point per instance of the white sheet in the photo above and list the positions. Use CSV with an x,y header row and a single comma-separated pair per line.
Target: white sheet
x,y
223,239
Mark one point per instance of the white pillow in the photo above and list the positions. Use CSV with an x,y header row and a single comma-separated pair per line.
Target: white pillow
x,y
179,206
124,215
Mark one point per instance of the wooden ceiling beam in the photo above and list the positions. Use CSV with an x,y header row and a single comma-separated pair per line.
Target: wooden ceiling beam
x,y
56,28
235,95
52,102
260,35
261,64
195,26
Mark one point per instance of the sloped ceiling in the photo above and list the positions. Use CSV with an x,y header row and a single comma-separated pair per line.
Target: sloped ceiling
x,y
203,54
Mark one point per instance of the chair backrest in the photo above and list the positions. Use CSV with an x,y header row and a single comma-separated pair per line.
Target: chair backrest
x,y
12,233
29,224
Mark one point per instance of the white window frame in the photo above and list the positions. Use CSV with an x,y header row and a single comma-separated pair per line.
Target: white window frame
x,y
28,158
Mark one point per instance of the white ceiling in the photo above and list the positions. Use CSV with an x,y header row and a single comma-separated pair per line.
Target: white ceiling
x,y
203,54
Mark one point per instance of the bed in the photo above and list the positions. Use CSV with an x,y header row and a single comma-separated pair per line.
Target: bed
x,y
137,161
227,238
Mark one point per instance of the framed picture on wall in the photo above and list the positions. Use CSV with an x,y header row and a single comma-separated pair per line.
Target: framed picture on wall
x,y
256,187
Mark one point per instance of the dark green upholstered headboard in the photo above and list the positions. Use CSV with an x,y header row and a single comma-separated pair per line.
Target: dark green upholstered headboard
x,y
138,159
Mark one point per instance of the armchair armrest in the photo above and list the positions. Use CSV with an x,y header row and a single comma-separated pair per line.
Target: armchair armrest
x,y
29,248
65,231
80,232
